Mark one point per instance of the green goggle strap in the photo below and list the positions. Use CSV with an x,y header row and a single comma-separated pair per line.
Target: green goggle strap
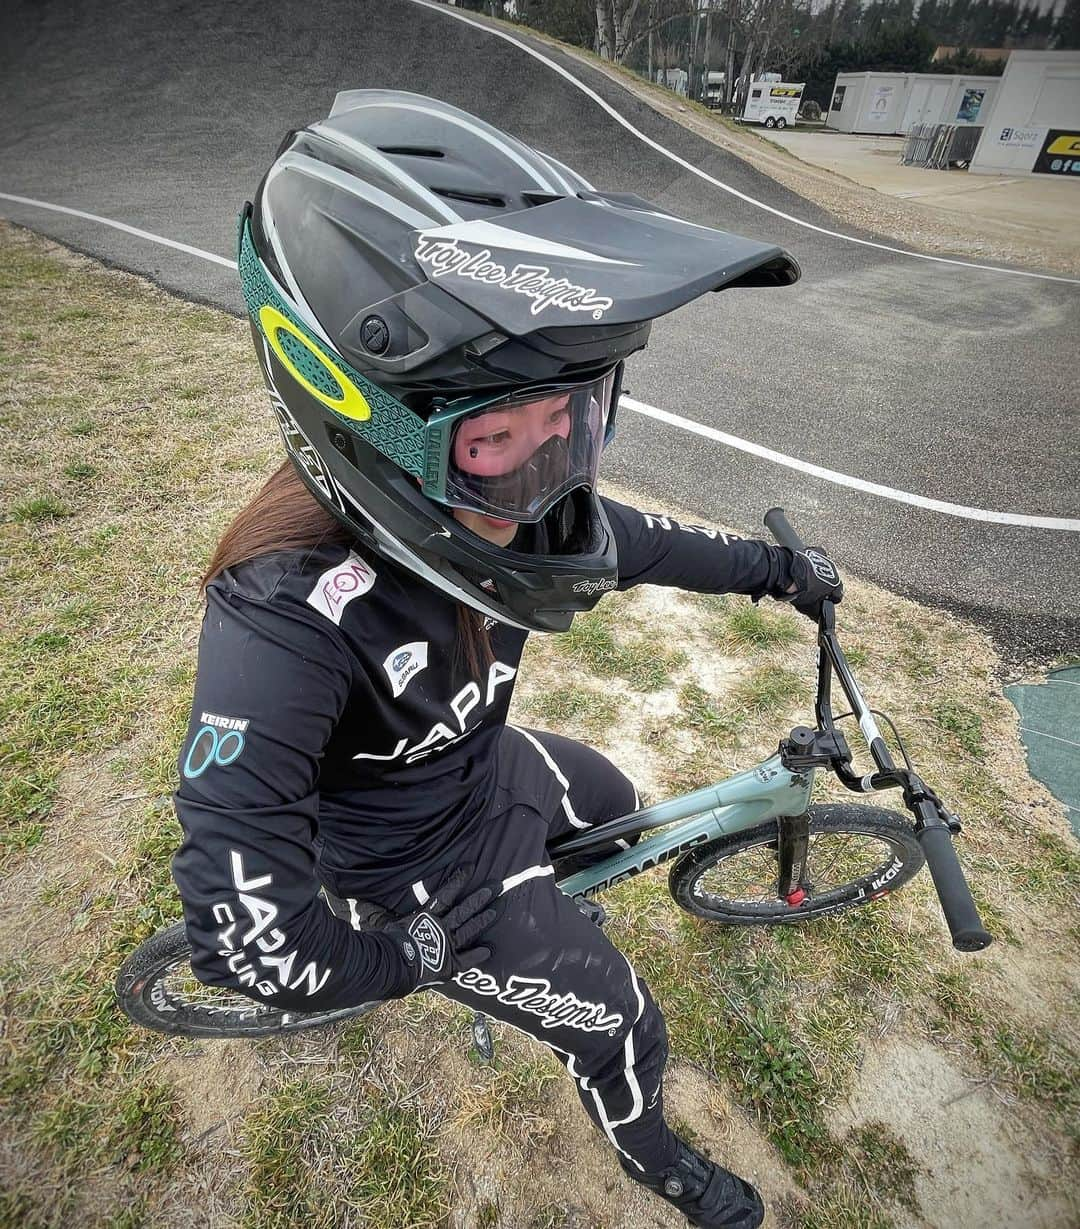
x,y
418,447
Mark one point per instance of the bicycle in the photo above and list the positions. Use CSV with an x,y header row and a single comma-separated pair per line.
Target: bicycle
x,y
749,851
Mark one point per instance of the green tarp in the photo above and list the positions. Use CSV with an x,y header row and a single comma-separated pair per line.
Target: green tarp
x,y
1050,727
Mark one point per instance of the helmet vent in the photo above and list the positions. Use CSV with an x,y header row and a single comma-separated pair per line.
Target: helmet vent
x,y
412,151
471,198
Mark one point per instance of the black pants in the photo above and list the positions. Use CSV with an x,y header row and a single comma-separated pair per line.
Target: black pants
x,y
553,973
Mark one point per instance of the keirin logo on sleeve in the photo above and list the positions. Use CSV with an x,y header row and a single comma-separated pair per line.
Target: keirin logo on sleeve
x,y
337,587
404,663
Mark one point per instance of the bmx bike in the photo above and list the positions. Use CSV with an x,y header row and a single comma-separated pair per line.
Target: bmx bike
x,y
749,851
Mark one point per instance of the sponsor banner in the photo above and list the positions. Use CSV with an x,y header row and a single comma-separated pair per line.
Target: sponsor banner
x,y
970,106
1013,149
880,108
1060,153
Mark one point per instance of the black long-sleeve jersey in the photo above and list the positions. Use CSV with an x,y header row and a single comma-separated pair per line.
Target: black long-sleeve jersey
x,y
334,741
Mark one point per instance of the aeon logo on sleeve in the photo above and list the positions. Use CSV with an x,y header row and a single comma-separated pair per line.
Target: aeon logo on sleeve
x,y
404,663
337,587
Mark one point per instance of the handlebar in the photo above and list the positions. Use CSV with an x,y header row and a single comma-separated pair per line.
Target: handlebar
x,y
934,826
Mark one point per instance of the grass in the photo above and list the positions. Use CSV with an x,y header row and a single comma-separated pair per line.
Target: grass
x,y
311,1164
43,508
362,1124
578,711
593,643
749,626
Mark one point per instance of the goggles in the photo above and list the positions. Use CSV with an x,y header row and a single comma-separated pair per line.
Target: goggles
x,y
516,456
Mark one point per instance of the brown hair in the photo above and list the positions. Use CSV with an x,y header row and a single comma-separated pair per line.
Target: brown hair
x,y
284,515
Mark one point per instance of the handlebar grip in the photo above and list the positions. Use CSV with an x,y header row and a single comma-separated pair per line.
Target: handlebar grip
x,y
777,523
968,933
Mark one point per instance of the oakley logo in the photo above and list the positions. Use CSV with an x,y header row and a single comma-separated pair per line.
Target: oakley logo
x,y
212,746
404,663
443,256
337,587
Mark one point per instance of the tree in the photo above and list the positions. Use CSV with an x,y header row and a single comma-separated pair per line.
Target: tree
x,y
613,21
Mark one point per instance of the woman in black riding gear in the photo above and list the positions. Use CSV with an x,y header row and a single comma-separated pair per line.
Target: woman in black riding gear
x,y
441,314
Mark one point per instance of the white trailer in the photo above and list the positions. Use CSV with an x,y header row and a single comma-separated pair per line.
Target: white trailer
x,y
773,103
868,102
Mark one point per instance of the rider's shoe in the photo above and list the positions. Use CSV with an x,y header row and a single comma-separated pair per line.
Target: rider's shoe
x,y
709,1196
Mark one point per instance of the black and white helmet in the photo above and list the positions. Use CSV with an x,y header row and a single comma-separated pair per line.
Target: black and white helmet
x,y
442,314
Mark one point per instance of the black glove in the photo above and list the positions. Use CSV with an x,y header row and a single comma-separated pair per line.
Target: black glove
x,y
809,578
435,941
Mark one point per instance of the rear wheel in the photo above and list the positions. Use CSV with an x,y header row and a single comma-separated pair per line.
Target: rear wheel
x,y
157,989
855,854
770,122
781,122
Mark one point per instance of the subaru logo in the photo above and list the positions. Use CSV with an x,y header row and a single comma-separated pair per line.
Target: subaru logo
x,y
401,660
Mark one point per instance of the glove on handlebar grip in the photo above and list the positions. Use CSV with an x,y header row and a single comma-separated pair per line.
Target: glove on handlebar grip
x,y
777,523
968,933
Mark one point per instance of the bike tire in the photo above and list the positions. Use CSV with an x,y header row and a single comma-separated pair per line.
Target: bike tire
x,y
900,858
156,989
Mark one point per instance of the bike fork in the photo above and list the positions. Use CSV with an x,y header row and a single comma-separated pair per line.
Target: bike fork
x,y
791,858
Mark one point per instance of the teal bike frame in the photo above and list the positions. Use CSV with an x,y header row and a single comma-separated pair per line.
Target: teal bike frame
x,y
768,791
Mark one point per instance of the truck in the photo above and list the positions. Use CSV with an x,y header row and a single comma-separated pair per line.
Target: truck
x,y
773,103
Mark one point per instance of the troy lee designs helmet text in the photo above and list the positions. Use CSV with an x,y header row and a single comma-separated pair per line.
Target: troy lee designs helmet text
x,y
443,256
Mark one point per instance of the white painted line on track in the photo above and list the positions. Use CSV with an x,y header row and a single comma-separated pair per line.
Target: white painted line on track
x,y
719,183
857,484
675,420
131,230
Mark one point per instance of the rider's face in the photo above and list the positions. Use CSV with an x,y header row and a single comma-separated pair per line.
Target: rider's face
x,y
496,443
502,440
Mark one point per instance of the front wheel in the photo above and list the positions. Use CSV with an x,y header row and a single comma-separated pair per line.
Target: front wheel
x,y
781,122
157,989
855,854
770,122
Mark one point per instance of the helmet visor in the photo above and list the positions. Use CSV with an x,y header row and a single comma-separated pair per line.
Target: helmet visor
x,y
517,457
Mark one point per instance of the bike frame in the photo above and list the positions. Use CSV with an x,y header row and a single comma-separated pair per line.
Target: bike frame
x,y
749,798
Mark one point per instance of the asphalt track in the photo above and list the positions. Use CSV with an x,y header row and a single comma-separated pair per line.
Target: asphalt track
x,y
949,382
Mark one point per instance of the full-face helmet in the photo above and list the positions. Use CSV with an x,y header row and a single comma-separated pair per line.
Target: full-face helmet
x,y
442,314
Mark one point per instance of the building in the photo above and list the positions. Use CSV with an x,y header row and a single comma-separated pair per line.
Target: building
x,y
1033,125
889,103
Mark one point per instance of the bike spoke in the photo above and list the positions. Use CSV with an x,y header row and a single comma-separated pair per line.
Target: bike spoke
x,y
836,862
